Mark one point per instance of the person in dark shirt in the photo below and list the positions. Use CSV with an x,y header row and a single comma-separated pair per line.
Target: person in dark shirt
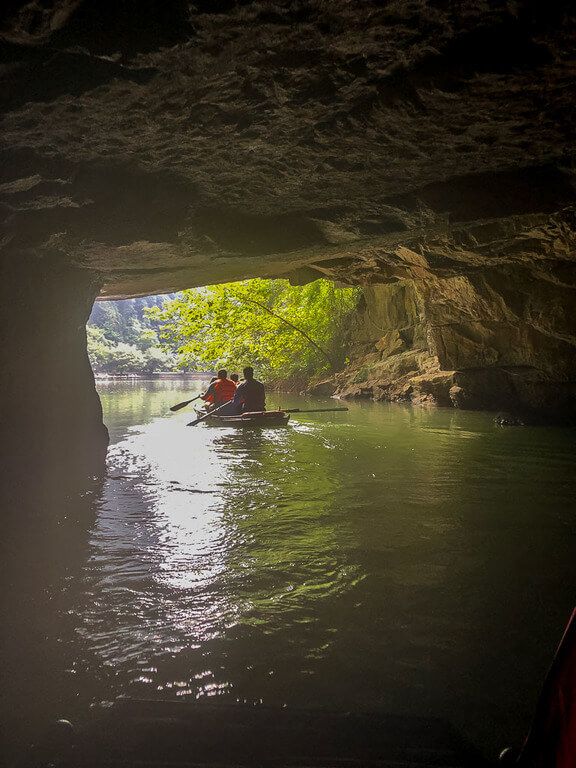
x,y
250,394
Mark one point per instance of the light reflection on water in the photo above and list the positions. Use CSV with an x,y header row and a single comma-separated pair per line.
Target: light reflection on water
x,y
388,558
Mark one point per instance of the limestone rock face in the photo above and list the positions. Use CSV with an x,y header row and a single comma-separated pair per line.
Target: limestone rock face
x,y
52,434
494,304
166,144
390,349
423,146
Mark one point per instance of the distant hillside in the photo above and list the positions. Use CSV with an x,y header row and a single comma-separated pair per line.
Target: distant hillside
x,y
124,320
122,339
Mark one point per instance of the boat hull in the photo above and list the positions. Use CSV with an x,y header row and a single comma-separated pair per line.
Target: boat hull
x,y
253,419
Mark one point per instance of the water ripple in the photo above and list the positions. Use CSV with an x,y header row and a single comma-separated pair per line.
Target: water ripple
x,y
370,560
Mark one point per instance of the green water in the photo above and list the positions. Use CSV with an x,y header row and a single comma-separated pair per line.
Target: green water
x,y
413,561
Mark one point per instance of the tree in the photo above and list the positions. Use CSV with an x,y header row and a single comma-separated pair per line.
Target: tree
x,y
126,358
105,315
122,339
282,329
156,359
99,347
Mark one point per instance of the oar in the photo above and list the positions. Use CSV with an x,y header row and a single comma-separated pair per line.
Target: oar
x,y
314,410
184,404
210,413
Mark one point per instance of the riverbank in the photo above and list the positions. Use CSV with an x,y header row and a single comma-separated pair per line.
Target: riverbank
x,y
414,377
159,376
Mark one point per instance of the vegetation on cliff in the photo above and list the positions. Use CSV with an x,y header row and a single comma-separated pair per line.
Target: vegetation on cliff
x,y
285,331
123,338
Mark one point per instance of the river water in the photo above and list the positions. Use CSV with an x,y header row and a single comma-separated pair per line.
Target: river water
x,y
408,560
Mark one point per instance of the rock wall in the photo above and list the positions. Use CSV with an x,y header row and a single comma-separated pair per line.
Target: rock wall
x,y
52,433
390,351
185,143
478,320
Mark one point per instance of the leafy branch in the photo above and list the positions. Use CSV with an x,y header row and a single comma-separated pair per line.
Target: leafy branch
x,y
291,325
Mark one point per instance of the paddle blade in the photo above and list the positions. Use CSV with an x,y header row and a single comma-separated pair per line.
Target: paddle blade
x,y
178,406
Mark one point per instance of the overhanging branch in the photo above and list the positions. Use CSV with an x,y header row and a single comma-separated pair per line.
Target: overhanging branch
x,y
291,325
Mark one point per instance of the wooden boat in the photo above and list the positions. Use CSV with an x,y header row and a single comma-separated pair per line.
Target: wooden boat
x,y
249,419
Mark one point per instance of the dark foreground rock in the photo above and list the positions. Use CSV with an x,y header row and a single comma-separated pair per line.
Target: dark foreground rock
x,y
53,438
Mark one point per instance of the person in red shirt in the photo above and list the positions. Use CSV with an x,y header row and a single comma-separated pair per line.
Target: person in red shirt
x,y
221,391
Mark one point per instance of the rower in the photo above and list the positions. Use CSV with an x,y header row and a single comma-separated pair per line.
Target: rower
x,y
235,378
221,391
208,396
250,395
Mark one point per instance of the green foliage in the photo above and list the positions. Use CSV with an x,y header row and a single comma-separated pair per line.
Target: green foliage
x,y
241,323
127,359
156,359
123,340
99,347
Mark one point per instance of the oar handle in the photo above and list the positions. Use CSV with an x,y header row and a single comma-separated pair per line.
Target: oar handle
x,y
210,413
315,410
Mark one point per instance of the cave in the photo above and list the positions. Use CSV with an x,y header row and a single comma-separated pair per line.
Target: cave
x,y
421,150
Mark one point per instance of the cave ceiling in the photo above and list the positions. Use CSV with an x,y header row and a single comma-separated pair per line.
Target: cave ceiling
x,y
165,144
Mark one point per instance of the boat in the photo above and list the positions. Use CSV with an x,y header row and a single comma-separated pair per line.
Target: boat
x,y
249,419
